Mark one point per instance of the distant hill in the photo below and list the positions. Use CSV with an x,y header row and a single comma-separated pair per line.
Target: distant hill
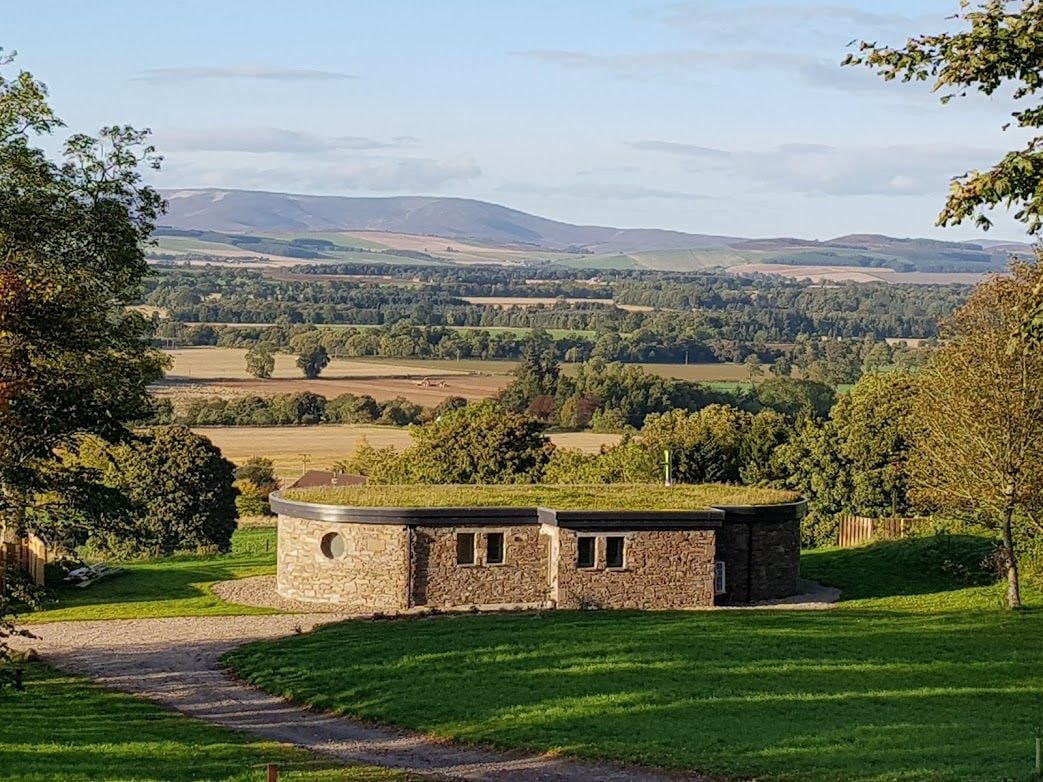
x,y
500,234
457,218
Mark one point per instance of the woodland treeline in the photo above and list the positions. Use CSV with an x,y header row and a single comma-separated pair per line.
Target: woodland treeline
x,y
758,309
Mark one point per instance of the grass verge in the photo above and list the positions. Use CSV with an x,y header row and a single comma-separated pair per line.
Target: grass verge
x,y
65,729
170,586
921,676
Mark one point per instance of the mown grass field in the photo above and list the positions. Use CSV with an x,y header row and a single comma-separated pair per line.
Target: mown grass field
x,y
65,729
170,586
918,675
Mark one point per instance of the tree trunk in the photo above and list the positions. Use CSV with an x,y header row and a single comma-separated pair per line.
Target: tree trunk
x,y
1011,562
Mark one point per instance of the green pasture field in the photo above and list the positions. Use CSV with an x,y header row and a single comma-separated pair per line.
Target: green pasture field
x,y
168,586
919,674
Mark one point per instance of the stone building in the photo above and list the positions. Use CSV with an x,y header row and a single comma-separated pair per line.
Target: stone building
x,y
391,559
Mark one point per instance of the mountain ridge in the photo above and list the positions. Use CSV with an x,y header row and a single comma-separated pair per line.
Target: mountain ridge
x,y
255,211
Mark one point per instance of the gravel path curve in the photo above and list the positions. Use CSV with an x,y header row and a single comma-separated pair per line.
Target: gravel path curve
x,y
175,662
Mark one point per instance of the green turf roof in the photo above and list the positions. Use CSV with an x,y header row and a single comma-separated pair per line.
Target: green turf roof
x,y
584,497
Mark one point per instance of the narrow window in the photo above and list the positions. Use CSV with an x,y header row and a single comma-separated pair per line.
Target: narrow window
x,y
494,548
465,548
613,552
720,583
585,554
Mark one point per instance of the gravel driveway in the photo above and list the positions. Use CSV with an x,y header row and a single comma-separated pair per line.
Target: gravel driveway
x,y
175,663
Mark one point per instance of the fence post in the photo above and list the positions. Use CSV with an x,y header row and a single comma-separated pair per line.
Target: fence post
x,y
272,771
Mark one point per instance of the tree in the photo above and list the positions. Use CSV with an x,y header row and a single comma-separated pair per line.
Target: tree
x,y
753,365
260,360
73,359
1001,48
312,361
793,397
873,426
181,490
479,443
979,448
255,480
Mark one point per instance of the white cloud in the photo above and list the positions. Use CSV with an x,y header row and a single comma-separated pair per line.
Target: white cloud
x,y
262,140
813,70
373,174
599,191
823,169
261,72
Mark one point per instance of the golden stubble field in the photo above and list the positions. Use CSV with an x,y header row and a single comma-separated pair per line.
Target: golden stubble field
x,y
290,446
210,371
222,371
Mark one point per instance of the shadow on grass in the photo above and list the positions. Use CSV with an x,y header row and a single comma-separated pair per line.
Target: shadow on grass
x,y
895,568
65,728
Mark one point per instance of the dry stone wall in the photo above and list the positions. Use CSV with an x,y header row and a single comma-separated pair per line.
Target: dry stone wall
x,y
365,570
439,581
662,569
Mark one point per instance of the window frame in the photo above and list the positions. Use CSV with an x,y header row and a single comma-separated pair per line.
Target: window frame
x,y
503,548
720,577
622,552
474,548
580,540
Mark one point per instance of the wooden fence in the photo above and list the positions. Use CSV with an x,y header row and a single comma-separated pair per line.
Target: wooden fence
x,y
855,530
28,556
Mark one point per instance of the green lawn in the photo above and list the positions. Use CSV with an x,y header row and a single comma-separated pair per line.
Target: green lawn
x,y
172,586
65,729
921,676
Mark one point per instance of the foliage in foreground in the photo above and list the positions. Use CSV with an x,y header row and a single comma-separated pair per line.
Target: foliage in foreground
x,y
922,677
65,729
644,496
978,444
178,489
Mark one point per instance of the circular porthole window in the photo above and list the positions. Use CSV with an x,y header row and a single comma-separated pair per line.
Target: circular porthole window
x,y
333,545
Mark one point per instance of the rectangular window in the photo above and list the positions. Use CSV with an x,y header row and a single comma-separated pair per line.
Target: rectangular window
x,y
465,548
585,552
494,548
614,551
719,581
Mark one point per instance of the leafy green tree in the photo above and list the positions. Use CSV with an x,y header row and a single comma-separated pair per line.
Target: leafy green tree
x,y
260,360
479,443
399,412
998,50
535,376
705,446
793,397
352,409
312,361
873,424
255,480
73,358
978,447
181,491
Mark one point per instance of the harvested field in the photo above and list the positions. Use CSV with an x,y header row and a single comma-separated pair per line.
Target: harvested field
x,y
222,372
467,386
209,363
841,274
324,445
527,301
697,373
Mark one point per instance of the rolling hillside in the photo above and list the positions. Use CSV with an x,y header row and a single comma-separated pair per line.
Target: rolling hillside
x,y
240,224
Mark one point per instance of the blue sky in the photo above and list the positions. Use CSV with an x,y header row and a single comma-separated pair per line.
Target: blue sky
x,y
711,116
